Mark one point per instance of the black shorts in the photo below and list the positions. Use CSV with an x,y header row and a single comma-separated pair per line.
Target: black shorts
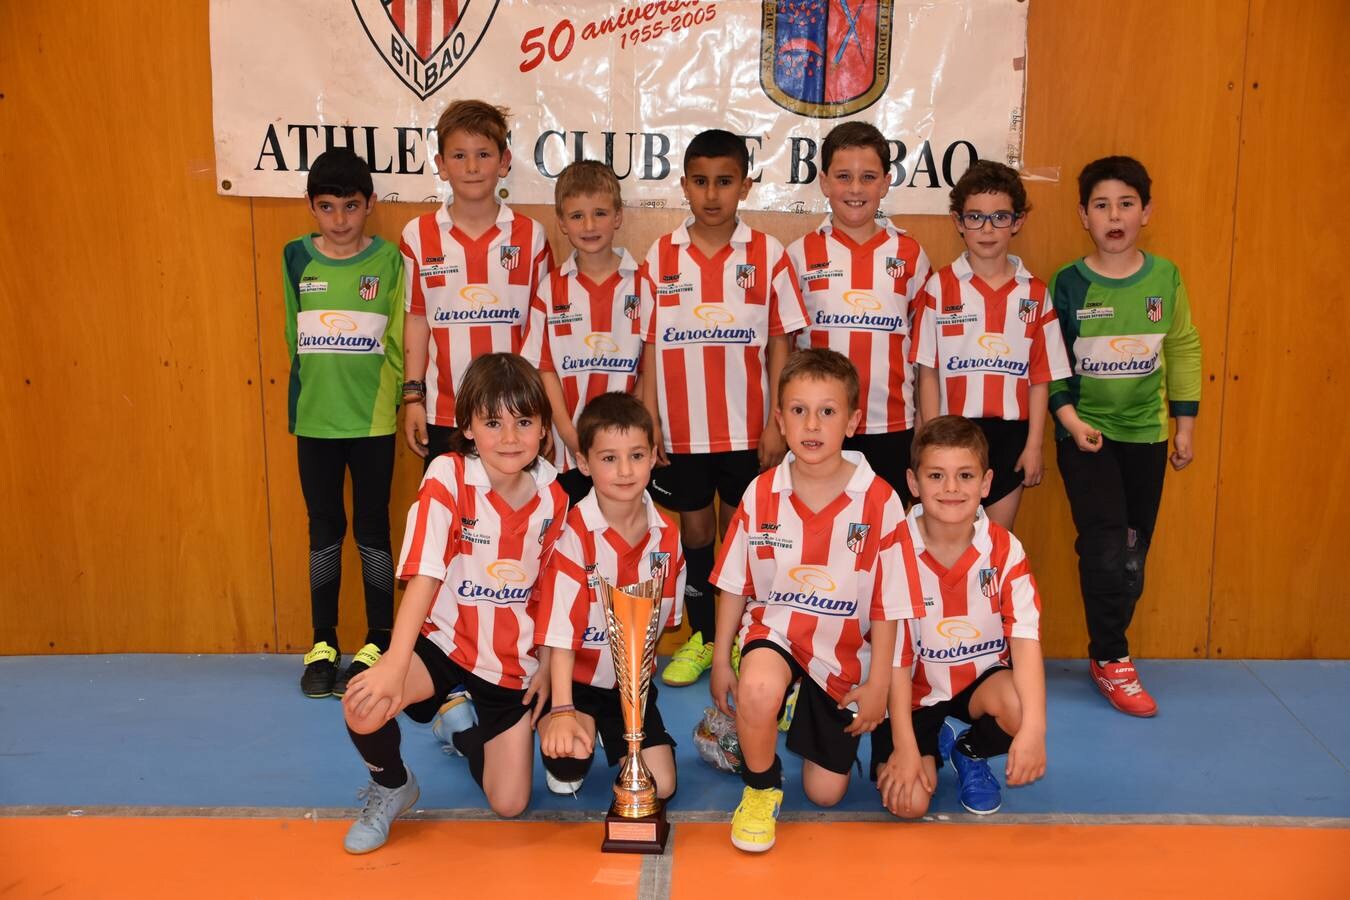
x,y
438,443
888,455
692,479
602,705
817,731
1007,439
498,708
928,721
576,484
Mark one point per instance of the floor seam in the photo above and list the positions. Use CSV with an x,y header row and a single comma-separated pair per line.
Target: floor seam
x,y
1312,734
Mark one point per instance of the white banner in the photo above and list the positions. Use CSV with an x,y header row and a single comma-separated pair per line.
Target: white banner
x,y
629,84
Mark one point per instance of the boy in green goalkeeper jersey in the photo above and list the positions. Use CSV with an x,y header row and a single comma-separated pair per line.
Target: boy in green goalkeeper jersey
x,y
344,328
1136,364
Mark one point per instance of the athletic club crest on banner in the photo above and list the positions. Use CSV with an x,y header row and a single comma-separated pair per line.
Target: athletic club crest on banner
x,y
825,58
989,582
1153,306
510,256
857,533
632,306
1026,310
660,561
425,42
370,287
745,277
895,267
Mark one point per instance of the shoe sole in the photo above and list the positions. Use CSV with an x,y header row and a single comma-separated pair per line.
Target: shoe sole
x,y
982,812
750,848
317,696
670,683
411,803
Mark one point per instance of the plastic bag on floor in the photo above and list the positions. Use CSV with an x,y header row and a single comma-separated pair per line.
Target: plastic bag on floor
x,y
716,741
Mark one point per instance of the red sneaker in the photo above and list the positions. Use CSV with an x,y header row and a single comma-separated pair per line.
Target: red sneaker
x,y
1119,684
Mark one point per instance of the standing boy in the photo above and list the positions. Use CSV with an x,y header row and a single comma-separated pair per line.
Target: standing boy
x,y
719,301
585,331
473,266
1136,363
860,278
813,580
344,330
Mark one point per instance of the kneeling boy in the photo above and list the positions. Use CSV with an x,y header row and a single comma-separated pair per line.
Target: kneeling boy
x,y
617,533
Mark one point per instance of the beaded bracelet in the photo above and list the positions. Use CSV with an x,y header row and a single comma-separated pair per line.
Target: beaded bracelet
x,y
564,710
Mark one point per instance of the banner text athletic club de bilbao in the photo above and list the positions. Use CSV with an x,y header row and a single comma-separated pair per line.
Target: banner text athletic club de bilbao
x,y
628,84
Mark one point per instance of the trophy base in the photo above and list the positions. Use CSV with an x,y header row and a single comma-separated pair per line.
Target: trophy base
x,y
645,835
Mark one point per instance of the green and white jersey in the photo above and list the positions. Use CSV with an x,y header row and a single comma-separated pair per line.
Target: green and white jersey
x,y
344,330
1134,351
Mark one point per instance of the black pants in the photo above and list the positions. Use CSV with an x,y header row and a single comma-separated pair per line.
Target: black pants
x,y
1111,492
324,463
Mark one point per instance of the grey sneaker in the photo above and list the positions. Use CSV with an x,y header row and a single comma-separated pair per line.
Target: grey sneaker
x,y
383,805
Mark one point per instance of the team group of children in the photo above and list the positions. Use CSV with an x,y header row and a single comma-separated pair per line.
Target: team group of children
x,y
770,396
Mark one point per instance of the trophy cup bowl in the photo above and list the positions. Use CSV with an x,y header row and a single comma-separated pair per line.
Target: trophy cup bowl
x,y
636,822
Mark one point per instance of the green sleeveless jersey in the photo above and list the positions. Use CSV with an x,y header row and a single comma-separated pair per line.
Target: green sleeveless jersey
x,y
344,330
1134,351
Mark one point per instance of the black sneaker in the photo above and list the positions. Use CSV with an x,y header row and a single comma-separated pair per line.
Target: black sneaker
x,y
321,670
366,657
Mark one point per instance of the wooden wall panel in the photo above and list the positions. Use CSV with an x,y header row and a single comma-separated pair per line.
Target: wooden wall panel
x,y
1278,591
132,473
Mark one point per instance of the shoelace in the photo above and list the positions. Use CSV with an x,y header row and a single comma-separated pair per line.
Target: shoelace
x,y
376,797
760,803
1131,687
687,652
982,777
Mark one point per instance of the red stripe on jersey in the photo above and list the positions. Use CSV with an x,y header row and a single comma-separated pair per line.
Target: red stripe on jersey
x,y
710,270
961,676
475,251
466,637
677,401
506,643
418,304
430,490
993,397
895,398
998,558
715,377
480,344
520,239
816,253
756,255
859,349
955,389
756,401
445,377
801,633
862,257
920,687
432,248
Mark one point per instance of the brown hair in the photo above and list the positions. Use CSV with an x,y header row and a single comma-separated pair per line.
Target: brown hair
x,y
854,134
615,410
497,384
586,177
988,177
956,432
822,364
473,117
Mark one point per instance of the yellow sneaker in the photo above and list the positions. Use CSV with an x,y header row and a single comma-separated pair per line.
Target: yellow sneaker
x,y
689,662
789,708
736,657
752,826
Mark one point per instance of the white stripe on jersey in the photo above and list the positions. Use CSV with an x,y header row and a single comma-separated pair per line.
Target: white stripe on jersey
x,y
859,301
486,556
814,582
588,335
710,321
474,293
989,346
571,612
971,610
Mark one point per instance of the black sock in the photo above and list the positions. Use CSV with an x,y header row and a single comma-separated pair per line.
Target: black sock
x,y
379,637
328,636
984,739
700,611
379,749
766,780
568,768
470,743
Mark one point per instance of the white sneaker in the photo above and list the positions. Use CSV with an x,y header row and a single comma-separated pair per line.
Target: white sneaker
x,y
560,787
455,715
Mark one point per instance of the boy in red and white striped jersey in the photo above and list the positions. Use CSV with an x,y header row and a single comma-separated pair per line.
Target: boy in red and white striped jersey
x,y
976,652
987,342
617,533
813,581
486,518
860,278
585,331
719,301
473,265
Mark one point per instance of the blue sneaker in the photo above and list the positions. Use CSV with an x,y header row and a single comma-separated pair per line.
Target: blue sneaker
x,y
980,791
455,715
946,740
383,805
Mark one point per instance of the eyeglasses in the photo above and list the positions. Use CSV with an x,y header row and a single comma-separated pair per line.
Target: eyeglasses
x,y
1000,219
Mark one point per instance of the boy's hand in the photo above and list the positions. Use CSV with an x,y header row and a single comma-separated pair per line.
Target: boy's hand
x,y
1087,438
772,446
1031,463
871,700
538,690
1026,757
415,428
658,442
376,691
1182,451
897,778
561,736
722,684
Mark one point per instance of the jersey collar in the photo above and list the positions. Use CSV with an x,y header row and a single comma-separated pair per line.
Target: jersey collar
x,y
595,520
961,268
627,265
505,216
981,541
827,226
858,482
740,237
475,473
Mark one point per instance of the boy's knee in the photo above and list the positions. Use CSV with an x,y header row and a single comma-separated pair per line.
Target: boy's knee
x,y
825,794
758,700
366,724
509,804
665,787
918,806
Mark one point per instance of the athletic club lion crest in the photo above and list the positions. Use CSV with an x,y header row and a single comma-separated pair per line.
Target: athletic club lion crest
x,y
425,42
825,58
857,533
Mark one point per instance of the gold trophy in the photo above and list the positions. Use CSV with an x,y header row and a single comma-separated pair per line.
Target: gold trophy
x,y
636,822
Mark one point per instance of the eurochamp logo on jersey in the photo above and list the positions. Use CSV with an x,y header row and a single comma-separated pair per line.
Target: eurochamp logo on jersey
x,y
864,314
605,355
996,359
813,591
1125,356
718,321
484,308
425,42
961,641
339,331
825,58
510,583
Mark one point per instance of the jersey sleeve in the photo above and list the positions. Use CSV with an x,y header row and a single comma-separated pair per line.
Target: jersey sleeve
x,y
923,270
1049,361
1060,392
923,350
1181,355
564,597
429,542
732,572
393,330
787,310
289,279
536,325
415,302
896,591
1019,599
646,290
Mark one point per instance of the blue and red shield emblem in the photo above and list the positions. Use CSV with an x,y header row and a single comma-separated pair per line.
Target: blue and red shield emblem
x,y
425,42
825,58
510,256
857,533
1153,307
370,287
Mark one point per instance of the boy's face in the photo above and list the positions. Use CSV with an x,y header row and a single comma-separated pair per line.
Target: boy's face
x,y
814,417
714,187
341,220
506,442
988,242
950,483
590,222
1114,216
854,184
619,462
472,165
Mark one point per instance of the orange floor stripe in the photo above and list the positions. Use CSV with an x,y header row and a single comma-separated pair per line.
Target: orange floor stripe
x,y
834,861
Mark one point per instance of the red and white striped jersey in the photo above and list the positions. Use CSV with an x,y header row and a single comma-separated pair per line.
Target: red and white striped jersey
x,y
859,301
588,334
487,557
989,346
572,614
710,321
474,293
972,609
815,581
